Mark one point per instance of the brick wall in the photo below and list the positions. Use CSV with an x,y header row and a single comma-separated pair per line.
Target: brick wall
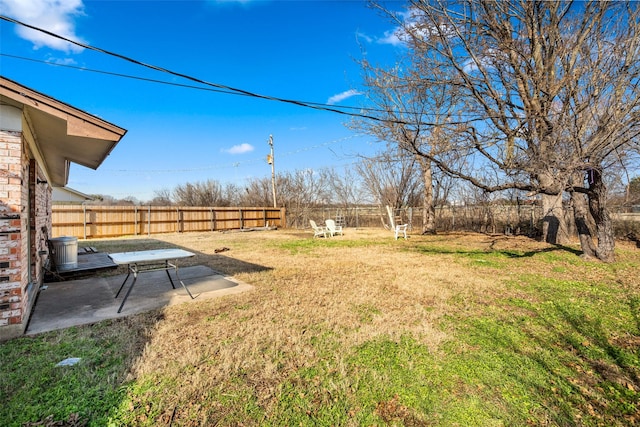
x,y
25,223
12,227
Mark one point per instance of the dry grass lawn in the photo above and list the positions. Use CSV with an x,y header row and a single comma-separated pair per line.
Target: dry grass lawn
x,y
306,341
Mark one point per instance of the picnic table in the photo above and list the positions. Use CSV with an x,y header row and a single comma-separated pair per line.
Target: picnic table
x,y
146,261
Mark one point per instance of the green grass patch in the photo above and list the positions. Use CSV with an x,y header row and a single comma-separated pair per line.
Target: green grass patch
x,y
366,312
379,383
556,356
32,387
489,258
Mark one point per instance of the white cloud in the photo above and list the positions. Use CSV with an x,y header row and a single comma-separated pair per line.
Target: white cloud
x,y
239,149
55,16
342,96
413,26
242,3
61,61
392,38
398,35
363,36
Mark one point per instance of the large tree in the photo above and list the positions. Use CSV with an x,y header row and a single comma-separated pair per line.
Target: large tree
x,y
550,94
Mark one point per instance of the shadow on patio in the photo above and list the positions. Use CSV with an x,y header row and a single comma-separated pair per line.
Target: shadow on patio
x,y
93,299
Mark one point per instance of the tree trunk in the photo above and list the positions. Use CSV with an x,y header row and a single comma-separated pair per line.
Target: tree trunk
x,y
604,225
554,224
429,210
582,221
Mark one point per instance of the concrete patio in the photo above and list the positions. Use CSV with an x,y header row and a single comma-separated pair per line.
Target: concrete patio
x,y
79,302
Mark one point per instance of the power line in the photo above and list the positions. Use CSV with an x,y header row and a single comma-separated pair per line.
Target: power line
x,y
111,73
197,80
226,165
223,91
150,193
231,90
164,82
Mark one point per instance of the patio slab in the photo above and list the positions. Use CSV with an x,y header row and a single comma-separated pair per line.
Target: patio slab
x,y
79,302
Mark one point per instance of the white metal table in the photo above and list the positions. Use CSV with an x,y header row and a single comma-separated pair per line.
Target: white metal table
x,y
146,261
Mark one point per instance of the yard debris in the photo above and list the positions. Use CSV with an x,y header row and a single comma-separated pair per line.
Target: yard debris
x,y
70,361
223,249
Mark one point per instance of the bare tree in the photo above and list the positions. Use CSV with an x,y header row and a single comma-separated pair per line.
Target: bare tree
x,y
232,194
551,94
633,192
392,179
161,198
257,192
207,193
106,200
347,192
345,188
302,190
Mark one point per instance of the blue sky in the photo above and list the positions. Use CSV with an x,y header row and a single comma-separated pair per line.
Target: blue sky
x,y
301,50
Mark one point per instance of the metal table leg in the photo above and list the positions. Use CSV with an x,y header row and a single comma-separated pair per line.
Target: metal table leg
x,y
133,270
175,267
166,268
125,281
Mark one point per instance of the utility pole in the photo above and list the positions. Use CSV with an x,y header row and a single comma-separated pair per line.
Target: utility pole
x,y
270,160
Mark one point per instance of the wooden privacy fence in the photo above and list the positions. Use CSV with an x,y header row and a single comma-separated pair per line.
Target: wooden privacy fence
x,y
89,221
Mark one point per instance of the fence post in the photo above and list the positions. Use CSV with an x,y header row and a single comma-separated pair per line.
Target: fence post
x,y
84,221
453,218
532,220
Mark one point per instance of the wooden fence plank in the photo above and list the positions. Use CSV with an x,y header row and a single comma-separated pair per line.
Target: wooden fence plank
x,y
92,221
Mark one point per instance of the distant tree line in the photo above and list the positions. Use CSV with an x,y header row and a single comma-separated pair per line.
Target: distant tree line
x,y
389,178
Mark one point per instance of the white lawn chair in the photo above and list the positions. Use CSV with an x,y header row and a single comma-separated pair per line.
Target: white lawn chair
x,y
333,228
319,231
397,228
